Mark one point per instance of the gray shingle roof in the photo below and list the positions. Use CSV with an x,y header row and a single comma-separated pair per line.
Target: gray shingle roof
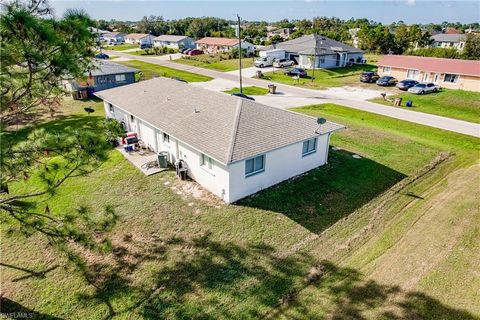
x,y
223,127
308,43
171,38
444,37
103,67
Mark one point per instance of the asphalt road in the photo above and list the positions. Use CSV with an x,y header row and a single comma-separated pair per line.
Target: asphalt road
x,y
290,96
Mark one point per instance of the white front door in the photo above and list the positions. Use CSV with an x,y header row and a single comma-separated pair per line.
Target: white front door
x,y
425,77
436,78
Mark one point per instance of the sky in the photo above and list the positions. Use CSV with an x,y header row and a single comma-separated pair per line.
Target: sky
x,y
385,11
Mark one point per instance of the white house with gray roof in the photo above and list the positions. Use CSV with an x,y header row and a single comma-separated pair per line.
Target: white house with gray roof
x,y
445,40
232,146
174,42
318,51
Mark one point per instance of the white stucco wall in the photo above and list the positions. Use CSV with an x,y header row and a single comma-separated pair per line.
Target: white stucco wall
x,y
280,164
328,61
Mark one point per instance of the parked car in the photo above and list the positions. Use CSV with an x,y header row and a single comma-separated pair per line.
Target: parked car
x,y
195,52
241,95
102,56
186,51
297,72
386,81
406,84
145,46
369,76
422,88
282,63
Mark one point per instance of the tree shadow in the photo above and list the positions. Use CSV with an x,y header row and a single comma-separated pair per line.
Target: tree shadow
x,y
13,310
29,273
319,198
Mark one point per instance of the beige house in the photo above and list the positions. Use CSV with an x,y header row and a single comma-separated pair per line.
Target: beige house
x,y
447,73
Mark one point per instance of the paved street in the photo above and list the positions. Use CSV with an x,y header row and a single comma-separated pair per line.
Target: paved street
x,y
290,96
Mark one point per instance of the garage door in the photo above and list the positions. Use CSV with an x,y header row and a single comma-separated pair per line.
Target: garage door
x,y
147,134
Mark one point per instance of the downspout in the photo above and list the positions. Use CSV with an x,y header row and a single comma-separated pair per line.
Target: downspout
x,y
327,148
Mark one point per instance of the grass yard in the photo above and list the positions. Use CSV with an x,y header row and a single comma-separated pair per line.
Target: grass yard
x,y
457,104
149,70
249,91
214,63
323,78
391,237
121,47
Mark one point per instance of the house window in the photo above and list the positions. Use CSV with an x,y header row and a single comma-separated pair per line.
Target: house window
x,y
120,78
254,165
452,78
132,118
309,147
322,59
412,74
387,70
206,161
166,138
110,107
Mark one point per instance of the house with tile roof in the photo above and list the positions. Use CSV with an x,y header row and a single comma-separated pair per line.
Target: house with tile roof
x,y
318,51
174,42
447,73
232,146
218,45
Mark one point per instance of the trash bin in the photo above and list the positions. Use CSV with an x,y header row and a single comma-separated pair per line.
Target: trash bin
x,y
398,102
183,173
259,74
409,103
272,88
162,159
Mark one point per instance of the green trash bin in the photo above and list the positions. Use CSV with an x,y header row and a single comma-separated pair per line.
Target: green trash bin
x,y
162,159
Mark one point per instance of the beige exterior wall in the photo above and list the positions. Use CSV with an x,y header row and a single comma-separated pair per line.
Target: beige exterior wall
x,y
464,82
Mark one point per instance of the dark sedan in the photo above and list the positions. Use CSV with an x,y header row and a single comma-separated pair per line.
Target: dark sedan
x,y
406,84
369,76
296,72
386,81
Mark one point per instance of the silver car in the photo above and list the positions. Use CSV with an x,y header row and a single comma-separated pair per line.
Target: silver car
x,y
282,63
422,88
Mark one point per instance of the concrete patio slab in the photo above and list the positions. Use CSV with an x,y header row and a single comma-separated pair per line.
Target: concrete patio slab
x,y
145,161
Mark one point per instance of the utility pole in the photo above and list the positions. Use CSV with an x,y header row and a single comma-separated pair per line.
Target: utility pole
x,y
240,53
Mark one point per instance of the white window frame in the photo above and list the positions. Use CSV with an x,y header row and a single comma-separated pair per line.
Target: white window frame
x,y
119,78
416,71
254,172
457,77
309,150
206,162
386,70
165,138
425,77
111,108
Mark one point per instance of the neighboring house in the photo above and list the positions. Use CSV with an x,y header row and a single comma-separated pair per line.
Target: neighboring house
x,y
284,33
451,30
320,52
448,73
233,147
445,40
139,38
114,37
99,33
217,45
174,42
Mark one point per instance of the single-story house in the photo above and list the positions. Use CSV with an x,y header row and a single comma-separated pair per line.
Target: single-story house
x,y
139,38
233,147
217,45
447,40
114,37
174,42
448,73
104,75
98,33
284,33
328,53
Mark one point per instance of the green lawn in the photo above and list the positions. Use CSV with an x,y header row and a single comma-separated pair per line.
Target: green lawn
x,y
457,104
212,62
251,91
323,78
179,257
122,47
149,70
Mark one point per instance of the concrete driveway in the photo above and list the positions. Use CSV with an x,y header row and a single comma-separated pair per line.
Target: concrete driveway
x,y
290,96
